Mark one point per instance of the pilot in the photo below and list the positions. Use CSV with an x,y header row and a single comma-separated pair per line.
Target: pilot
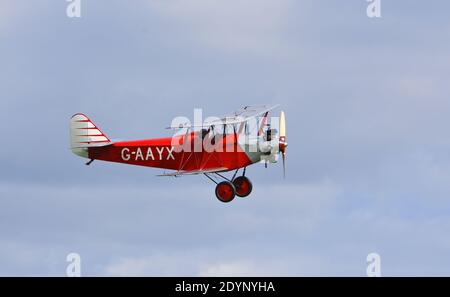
x,y
205,132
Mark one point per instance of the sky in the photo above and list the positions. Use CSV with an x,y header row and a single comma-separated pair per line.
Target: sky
x,y
367,103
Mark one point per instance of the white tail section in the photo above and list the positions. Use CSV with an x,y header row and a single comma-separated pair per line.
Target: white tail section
x,y
84,134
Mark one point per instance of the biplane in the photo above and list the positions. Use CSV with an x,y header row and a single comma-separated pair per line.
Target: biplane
x,y
211,148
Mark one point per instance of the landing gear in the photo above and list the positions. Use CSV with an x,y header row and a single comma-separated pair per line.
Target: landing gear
x,y
243,186
225,191
229,188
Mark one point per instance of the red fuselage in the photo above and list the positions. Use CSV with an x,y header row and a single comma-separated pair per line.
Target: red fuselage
x,y
161,153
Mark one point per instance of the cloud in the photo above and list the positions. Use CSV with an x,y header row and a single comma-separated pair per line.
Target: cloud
x,y
134,267
128,230
230,269
15,14
195,263
148,230
251,27
367,106
7,13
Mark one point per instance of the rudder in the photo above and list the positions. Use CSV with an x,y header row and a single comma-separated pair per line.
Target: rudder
x,y
84,134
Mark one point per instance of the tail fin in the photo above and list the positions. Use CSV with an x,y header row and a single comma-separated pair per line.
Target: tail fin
x,y
84,134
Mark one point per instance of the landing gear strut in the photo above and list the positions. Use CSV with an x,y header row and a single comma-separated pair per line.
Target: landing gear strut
x,y
226,190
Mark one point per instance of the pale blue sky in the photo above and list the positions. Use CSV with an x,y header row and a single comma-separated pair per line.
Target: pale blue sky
x,y
367,104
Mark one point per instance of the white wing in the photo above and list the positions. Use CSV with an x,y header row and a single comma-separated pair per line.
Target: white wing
x,y
239,116
185,172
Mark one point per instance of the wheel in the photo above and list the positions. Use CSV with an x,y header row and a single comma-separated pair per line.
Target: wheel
x,y
225,191
243,186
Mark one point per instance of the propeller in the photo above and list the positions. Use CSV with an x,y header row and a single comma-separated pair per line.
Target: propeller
x,y
282,141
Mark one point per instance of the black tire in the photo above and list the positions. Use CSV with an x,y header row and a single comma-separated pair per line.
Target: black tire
x,y
243,186
225,191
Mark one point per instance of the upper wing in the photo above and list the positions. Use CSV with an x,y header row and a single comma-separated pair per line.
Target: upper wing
x,y
239,116
185,172
254,110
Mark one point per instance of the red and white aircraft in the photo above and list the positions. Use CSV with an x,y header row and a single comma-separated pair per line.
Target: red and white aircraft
x,y
210,148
